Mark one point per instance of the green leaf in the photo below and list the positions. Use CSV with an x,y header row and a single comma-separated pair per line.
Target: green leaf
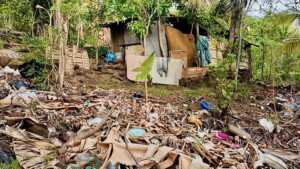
x,y
145,68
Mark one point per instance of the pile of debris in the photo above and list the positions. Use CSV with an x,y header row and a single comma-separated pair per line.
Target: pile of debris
x,y
117,129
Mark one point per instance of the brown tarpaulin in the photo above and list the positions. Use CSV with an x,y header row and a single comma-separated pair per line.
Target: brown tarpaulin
x,y
182,42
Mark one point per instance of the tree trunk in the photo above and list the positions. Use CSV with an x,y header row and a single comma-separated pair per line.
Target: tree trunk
x,y
249,56
59,22
271,64
234,26
262,61
239,52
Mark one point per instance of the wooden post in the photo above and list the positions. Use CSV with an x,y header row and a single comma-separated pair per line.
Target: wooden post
x,y
239,51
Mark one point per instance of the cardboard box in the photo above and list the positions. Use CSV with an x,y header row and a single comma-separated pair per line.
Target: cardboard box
x,y
194,72
179,54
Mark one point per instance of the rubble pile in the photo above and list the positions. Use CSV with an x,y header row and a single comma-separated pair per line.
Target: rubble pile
x,y
118,129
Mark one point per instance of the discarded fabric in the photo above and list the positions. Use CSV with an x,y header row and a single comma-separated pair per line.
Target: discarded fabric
x,y
204,55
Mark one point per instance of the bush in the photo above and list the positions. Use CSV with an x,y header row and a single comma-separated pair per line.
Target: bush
x,y
16,14
36,67
224,86
13,165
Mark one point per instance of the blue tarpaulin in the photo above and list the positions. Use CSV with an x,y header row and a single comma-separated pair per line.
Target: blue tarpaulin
x,y
203,52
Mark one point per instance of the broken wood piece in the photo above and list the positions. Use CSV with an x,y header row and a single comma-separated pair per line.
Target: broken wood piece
x,y
239,132
29,124
204,153
77,139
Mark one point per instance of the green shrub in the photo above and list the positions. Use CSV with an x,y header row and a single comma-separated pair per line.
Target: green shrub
x,y
13,165
16,14
224,85
36,67
92,51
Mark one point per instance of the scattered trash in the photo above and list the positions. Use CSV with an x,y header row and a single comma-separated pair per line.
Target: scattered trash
x,y
84,131
280,99
294,107
83,158
110,57
222,136
95,121
283,154
6,154
277,106
136,132
52,132
270,160
138,94
20,98
152,117
7,70
25,146
112,165
198,164
267,125
4,92
194,119
19,84
87,103
239,132
73,166
204,105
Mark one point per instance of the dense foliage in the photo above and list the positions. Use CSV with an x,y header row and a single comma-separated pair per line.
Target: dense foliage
x,y
274,39
16,14
277,55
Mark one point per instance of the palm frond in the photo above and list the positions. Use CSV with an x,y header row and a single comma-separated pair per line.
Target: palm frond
x,y
283,19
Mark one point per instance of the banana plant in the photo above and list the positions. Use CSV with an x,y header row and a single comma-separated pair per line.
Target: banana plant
x,y
144,72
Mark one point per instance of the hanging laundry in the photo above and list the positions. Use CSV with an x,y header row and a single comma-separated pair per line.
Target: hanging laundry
x,y
203,52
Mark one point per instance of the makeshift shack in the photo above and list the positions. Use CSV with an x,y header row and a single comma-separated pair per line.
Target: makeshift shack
x,y
174,44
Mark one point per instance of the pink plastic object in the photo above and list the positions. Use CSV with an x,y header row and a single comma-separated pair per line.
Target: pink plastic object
x,y
222,136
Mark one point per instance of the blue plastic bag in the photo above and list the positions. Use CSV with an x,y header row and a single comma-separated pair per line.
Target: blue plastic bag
x,y
110,57
204,105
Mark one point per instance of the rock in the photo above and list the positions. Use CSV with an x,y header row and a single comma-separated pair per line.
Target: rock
x,y
6,56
